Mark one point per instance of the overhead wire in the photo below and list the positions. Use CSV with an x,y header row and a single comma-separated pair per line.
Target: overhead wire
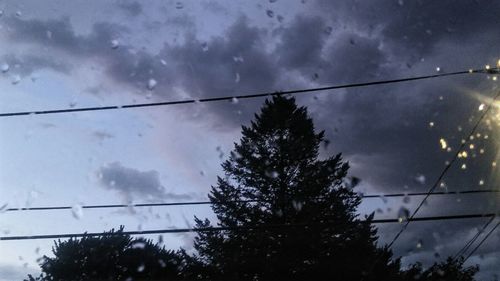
x,y
471,241
481,242
445,170
249,96
221,228
191,203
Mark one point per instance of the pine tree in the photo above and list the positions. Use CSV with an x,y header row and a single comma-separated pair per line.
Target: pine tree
x,y
290,215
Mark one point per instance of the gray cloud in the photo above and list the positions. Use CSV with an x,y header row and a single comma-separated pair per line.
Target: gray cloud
x,y
132,183
383,130
131,8
26,65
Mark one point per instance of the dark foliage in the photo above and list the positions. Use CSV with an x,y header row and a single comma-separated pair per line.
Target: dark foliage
x,y
289,215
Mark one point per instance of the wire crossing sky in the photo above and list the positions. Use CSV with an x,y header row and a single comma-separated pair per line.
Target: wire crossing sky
x,y
255,228
249,96
133,205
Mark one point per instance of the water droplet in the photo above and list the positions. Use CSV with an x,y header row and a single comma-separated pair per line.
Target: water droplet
x,y
138,245
3,208
1,13
179,5
238,59
234,100
406,199
48,33
5,67
270,13
419,244
463,167
112,183
297,205
481,107
401,2
431,124
443,143
403,214
16,79
438,69
115,44
204,46
19,13
237,78
141,268
481,182
77,211
152,84
163,62
420,179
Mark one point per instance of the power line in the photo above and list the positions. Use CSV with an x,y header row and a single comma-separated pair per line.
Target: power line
x,y
469,243
445,170
481,243
190,203
248,96
212,229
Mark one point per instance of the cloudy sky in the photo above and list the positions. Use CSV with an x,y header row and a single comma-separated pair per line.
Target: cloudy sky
x,y
66,54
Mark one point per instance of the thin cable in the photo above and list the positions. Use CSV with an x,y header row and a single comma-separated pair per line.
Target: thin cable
x,y
445,170
211,229
469,243
239,201
481,243
247,96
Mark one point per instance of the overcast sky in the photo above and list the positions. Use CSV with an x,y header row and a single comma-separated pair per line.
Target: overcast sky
x,y
64,54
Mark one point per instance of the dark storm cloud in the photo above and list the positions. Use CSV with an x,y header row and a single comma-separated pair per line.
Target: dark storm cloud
x,y
131,8
26,65
383,130
135,184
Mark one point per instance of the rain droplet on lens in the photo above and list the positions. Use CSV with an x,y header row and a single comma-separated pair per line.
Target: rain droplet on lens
x,y
204,46
420,179
141,268
115,44
152,84
77,211
179,5
270,13
5,67
234,100
403,214
16,79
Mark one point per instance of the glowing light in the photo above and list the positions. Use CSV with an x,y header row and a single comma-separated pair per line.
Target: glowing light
x,y
487,66
481,107
443,143
471,146
431,124
494,78
481,151
462,154
438,69
463,167
481,182
494,164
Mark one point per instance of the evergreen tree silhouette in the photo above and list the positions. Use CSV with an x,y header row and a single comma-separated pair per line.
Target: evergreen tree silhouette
x,y
276,166
111,257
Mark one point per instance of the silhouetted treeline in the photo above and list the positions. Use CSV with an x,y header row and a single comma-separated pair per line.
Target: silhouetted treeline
x,y
273,177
